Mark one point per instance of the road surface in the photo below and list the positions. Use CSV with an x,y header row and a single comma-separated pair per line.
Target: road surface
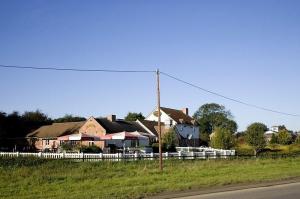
x,y
285,191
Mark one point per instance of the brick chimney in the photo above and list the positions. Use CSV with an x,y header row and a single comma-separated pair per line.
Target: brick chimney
x,y
111,118
185,111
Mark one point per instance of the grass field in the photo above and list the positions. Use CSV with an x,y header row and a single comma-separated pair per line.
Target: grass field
x,y
36,178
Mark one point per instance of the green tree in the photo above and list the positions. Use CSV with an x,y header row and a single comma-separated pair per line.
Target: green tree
x,y
131,116
274,139
222,139
255,136
211,116
69,118
169,140
284,137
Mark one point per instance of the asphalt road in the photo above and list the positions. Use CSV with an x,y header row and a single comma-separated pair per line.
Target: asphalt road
x,y
285,191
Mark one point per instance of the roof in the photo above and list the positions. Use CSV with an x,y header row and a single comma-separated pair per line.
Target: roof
x,y
178,116
270,132
57,129
153,126
119,126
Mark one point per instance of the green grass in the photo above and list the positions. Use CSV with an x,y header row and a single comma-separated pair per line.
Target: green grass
x,y
34,178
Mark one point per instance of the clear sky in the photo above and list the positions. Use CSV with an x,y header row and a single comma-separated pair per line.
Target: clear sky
x,y
249,50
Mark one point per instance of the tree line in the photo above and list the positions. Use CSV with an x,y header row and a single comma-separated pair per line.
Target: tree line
x,y
217,128
16,125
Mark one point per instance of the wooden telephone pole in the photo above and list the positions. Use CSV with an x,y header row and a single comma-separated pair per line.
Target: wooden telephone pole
x,y
159,122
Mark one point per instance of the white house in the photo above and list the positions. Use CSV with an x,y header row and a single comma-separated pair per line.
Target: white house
x,y
185,126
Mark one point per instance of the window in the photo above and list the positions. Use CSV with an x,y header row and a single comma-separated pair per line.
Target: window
x,y
171,122
47,142
134,143
91,143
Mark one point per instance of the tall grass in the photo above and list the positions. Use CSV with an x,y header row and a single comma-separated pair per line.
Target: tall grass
x,y
38,178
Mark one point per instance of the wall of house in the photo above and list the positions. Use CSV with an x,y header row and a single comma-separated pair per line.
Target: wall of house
x,y
92,127
186,130
183,129
164,118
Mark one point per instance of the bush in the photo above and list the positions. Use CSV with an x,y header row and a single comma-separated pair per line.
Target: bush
x,y
284,137
222,139
170,141
155,147
274,139
90,149
244,151
66,146
297,141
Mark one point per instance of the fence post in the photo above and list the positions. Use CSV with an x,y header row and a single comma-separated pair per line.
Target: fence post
x,y
151,155
179,154
18,153
193,155
135,155
101,156
40,155
167,155
82,156
119,156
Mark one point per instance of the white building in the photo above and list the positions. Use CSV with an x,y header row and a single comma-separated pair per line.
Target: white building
x,y
184,125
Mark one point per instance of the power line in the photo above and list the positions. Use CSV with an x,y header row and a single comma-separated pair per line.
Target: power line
x,y
150,71
77,69
228,98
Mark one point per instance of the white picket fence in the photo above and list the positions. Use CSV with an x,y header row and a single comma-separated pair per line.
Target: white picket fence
x,y
181,154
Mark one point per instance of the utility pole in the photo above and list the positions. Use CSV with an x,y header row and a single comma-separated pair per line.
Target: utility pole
x,y
159,122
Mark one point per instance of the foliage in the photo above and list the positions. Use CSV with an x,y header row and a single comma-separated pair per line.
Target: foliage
x,y
169,140
255,136
91,149
274,139
51,178
204,139
69,118
68,147
15,125
131,116
222,139
297,140
211,116
284,137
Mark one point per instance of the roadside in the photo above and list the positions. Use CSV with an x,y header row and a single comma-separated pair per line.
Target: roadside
x,y
225,188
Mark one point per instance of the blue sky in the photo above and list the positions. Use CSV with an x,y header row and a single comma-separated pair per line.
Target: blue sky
x,y
248,50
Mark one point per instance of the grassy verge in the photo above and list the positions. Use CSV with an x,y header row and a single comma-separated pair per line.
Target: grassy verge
x,y
23,178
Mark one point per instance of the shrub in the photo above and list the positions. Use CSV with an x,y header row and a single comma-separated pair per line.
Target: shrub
x,y
243,151
222,139
284,137
297,141
274,139
169,140
91,149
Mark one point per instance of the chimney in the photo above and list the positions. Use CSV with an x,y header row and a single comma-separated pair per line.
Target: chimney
x,y
111,118
185,111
